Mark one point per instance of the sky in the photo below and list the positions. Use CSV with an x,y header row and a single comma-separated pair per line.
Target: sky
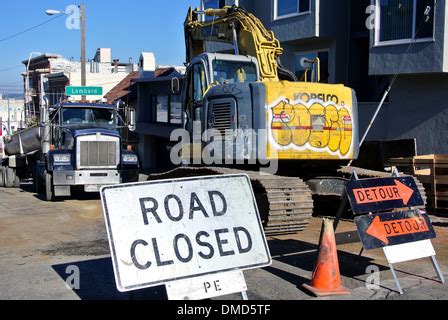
x,y
128,27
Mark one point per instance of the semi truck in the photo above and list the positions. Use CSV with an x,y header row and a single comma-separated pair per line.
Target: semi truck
x,y
75,146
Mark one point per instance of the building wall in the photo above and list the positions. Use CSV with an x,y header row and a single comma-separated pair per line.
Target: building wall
x,y
445,42
16,113
419,109
425,57
285,29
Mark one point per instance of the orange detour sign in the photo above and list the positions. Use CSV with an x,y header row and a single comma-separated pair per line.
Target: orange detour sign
x,y
384,193
395,228
375,195
326,277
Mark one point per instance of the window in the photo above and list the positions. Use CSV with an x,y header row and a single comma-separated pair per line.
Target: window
x,y
162,103
199,83
304,68
290,8
88,117
405,20
176,109
229,72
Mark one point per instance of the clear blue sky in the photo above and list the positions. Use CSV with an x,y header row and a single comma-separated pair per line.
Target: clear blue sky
x,y
128,27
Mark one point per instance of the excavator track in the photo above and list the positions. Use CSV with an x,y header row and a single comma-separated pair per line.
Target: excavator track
x,y
285,204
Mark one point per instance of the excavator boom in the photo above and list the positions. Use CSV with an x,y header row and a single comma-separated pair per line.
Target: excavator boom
x,y
234,25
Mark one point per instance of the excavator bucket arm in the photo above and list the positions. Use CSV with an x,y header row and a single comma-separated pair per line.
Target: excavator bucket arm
x,y
238,27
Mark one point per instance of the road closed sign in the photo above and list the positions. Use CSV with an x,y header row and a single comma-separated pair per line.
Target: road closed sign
x,y
171,230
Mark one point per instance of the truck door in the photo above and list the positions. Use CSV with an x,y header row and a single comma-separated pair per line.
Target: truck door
x,y
196,88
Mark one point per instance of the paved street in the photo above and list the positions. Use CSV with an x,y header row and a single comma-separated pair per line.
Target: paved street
x,y
40,240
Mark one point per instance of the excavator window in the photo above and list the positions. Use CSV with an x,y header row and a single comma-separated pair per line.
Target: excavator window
x,y
229,72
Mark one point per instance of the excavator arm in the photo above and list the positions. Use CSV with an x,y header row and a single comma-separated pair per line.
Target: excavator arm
x,y
234,25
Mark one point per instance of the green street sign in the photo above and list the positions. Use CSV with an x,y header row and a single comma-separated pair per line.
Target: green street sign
x,y
83,91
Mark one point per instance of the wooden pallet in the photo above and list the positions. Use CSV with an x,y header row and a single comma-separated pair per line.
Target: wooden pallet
x,y
432,171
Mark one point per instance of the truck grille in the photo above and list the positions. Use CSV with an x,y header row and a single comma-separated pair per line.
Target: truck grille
x,y
221,118
98,154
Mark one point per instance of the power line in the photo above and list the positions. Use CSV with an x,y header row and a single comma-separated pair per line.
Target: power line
x,y
11,68
30,29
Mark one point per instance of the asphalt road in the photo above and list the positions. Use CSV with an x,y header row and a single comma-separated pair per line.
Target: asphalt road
x,y
40,243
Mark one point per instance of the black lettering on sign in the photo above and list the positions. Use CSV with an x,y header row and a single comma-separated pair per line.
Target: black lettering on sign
x,y
145,266
242,250
176,248
159,261
180,208
222,242
223,211
361,196
196,205
153,209
205,244
387,229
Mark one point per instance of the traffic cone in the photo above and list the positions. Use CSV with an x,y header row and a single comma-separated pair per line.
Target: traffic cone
x,y
326,277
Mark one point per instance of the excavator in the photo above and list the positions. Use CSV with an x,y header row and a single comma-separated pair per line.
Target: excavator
x,y
243,105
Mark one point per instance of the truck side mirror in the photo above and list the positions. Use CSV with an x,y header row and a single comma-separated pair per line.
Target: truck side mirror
x,y
175,85
132,126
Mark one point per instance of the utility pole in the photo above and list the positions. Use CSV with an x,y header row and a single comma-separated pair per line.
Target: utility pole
x,y
9,118
83,48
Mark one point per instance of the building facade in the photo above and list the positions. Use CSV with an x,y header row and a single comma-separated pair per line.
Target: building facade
x,y
369,45
47,76
11,115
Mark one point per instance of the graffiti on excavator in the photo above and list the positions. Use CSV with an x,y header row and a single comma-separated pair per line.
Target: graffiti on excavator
x,y
314,127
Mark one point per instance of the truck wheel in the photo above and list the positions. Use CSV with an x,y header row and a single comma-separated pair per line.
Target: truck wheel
x,y
49,195
37,182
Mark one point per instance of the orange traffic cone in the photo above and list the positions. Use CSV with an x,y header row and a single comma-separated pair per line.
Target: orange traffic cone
x,y
326,277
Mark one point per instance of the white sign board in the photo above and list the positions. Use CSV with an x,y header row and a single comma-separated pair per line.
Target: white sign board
x,y
171,230
207,287
409,251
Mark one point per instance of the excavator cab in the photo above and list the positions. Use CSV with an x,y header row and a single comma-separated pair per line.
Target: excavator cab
x,y
213,70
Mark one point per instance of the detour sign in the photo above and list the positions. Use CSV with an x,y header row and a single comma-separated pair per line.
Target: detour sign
x,y
170,230
388,229
374,195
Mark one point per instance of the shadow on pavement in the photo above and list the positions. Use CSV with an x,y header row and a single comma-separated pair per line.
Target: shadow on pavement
x,y
77,194
97,282
303,255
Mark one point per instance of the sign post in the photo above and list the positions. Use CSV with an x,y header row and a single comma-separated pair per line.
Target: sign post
x,y
194,235
405,233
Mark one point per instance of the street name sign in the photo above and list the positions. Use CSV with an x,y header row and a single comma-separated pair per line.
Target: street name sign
x,y
375,195
389,229
173,230
83,91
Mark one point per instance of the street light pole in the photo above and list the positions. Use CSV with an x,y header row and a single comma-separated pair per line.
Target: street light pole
x,y
82,13
83,48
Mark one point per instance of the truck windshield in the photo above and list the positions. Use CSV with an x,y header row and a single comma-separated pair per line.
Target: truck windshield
x,y
88,117
228,72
